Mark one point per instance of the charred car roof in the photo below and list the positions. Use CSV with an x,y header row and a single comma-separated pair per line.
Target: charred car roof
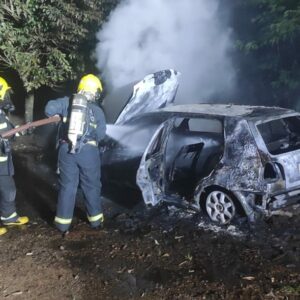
x,y
254,113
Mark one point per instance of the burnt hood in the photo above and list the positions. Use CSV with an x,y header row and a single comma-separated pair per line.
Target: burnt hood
x,y
156,90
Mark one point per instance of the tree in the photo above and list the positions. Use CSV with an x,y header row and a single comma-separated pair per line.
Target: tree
x,y
44,40
270,34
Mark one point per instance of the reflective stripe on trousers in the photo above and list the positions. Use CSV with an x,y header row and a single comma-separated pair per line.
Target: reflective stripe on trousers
x,y
3,158
62,224
13,215
62,221
96,218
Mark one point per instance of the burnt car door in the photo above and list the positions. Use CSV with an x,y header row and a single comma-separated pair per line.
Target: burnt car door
x,y
151,172
194,147
181,151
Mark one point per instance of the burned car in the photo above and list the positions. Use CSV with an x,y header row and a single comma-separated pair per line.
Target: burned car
x,y
227,160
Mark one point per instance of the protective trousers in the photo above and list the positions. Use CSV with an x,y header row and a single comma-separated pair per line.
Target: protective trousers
x,y
81,168
7,196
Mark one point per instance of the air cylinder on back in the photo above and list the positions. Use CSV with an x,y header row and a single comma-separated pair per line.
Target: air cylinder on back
x,y
77,123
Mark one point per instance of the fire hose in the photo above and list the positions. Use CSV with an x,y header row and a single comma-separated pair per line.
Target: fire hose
x,y
54,119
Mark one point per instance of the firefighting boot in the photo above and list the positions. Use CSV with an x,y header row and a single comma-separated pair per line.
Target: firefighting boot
x,y
14,220
96,222
2,230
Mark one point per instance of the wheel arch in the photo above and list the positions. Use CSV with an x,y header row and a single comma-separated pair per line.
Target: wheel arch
x,y
200,196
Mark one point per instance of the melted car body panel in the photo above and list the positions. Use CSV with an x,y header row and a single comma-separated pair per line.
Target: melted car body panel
x,y
150,175
155,91
240,167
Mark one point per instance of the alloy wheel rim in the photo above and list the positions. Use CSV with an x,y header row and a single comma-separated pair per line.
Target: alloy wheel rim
x,y
220,207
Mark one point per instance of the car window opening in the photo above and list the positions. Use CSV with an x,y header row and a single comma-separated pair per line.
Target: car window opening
x,y
282,135
194,147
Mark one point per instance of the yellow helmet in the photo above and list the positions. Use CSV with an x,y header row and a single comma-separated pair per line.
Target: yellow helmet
x,y
4,87
90,83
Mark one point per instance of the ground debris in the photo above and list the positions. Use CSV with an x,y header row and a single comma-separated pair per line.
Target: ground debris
x,y
282,213
166,255
183,263
250,278
160,254
16,293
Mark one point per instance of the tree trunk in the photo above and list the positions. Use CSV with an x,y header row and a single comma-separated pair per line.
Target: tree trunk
x,y
29,106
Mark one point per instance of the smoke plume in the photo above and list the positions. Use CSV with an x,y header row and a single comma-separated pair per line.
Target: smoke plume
x,y
145,36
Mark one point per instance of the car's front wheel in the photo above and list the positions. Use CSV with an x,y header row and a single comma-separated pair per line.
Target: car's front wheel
x,y
220,206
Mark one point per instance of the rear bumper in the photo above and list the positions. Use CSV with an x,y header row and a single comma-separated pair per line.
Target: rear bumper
x,y
284,199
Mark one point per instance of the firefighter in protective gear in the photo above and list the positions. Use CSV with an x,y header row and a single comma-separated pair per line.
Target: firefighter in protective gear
x,y
8,214
82,166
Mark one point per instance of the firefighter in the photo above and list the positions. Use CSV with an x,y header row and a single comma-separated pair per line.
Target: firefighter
x,y
83,126
8,212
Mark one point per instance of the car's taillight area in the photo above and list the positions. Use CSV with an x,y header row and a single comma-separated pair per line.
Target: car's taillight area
x,y
283,175
270,172
274,177
273,171
281,192
282,139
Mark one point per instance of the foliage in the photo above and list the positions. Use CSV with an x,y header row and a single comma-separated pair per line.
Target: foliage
x,y
291,290
43,40
273,42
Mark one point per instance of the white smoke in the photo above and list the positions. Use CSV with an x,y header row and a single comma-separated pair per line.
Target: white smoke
x,y
145,36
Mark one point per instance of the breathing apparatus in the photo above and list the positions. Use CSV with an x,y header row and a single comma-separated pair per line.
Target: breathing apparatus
x,y
89,89
78,123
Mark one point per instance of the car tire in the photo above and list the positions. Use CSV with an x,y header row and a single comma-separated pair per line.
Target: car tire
x,y
220,206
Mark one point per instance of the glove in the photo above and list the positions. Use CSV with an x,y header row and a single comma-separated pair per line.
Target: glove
x,y
28,131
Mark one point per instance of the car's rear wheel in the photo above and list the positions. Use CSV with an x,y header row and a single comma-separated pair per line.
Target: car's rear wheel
x,y
220,206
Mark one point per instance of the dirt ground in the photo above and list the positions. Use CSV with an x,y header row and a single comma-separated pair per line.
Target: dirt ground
x,y
163,253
